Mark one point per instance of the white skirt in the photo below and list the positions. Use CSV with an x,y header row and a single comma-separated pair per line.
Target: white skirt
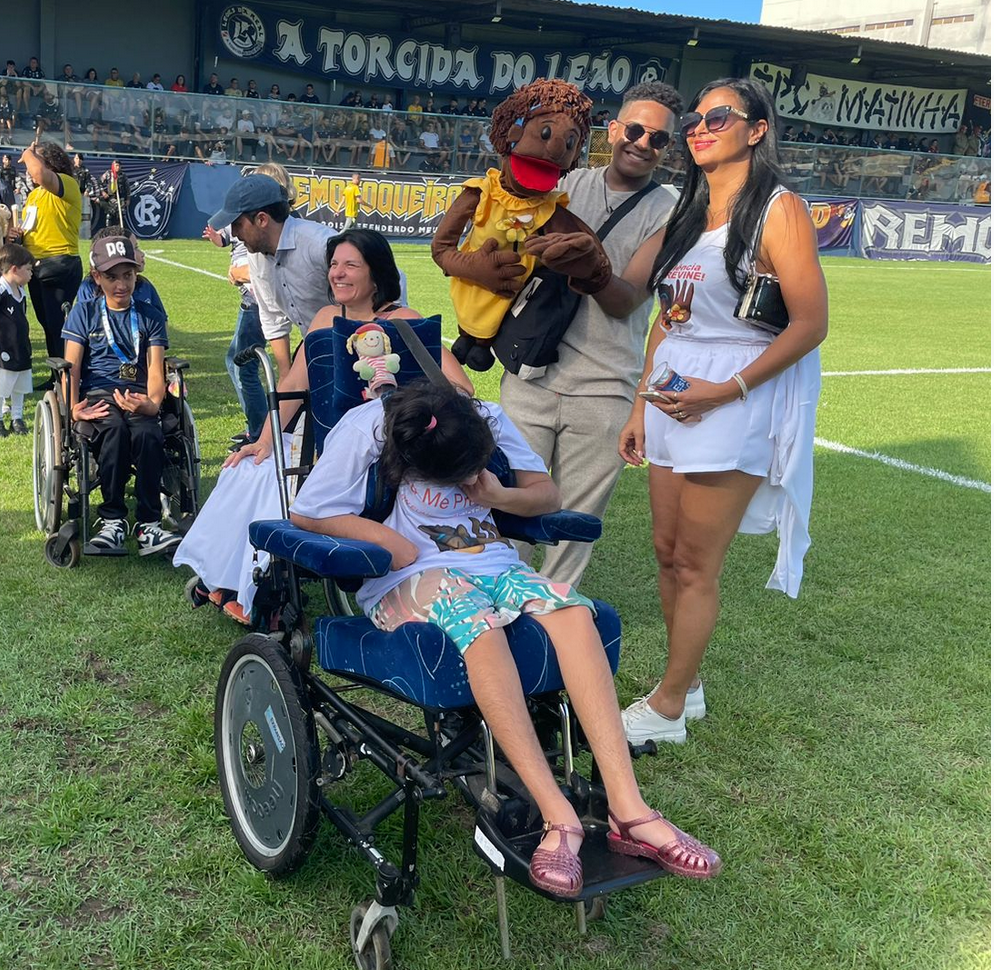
x,y
735,436
217,546
15,382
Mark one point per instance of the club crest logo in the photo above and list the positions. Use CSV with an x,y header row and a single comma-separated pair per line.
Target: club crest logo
x,y
651,70
150,206
242,32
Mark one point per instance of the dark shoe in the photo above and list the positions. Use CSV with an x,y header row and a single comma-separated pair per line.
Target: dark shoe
x,y
559,871
152,538
17,426
3,429
683,856
109,539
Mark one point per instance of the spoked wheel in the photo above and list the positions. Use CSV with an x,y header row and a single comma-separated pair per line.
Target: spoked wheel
x,y
267,755
181,484
48,474
68,557
338,601
375,953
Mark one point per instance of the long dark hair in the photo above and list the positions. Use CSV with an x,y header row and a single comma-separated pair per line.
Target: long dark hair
x,y
690,213
379,257
436,433
55,157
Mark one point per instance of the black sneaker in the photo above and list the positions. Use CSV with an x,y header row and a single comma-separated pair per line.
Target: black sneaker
x,y
3,428
152,538
17,426
109,539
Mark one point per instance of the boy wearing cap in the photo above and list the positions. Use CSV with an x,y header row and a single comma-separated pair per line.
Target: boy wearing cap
x,y
116,346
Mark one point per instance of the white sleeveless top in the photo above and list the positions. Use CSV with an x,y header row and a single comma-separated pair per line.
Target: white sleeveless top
x,y
697,299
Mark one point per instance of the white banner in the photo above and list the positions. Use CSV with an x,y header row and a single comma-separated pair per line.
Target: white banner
x,y
862,104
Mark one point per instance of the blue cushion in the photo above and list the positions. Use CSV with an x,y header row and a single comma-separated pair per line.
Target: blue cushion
x,y
335,387
421,664
550,528
322,555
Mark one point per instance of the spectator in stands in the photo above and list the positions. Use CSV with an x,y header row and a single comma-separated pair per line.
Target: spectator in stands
x,y
7,117
179,85
252,91
933,146
482,109
212,86
274,93
973,140
789,134
452,108
49,116
387,103
828,137
415,106
135,82
28,91
245,135
183,145
351,100
806,135
309,97
50,230
878,141
374,102
114,80
233,90
890,141
155,84
72,89
402,141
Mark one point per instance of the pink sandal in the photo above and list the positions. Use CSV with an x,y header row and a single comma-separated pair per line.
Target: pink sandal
x,y
558,871
684,856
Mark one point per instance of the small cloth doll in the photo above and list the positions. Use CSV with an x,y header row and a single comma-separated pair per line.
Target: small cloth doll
x,y
375,364
539,131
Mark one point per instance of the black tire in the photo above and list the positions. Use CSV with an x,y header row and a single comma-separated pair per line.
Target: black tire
x,y
48,474
192,594
69,557
181,484
375,954
267,755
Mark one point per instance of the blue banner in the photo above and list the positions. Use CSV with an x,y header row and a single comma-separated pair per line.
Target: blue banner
x,y
922,230
326,49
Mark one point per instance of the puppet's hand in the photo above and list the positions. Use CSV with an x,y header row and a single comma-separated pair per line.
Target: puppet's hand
x,y
498,270
578,255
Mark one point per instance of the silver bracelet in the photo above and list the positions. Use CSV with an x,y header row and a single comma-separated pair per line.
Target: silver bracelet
x,y
742,385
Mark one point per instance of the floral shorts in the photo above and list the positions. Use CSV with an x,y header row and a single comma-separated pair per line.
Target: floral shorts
x,y
464,605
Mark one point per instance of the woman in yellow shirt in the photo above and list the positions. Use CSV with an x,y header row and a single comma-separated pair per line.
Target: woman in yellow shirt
x,y
50,230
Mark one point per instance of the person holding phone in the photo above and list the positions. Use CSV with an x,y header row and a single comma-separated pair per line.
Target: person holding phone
x,y
730,448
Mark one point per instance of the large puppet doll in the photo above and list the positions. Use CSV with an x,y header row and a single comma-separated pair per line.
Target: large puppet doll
x,y
539,131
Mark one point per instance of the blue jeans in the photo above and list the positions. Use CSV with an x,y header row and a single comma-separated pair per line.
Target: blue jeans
x,y
248,387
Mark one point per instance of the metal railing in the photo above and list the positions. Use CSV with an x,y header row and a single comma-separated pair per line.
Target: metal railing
x,y
99,119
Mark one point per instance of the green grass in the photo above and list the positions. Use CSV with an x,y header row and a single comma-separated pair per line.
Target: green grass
x,y
843,771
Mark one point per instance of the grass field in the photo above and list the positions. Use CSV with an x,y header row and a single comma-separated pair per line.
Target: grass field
x,y
843,771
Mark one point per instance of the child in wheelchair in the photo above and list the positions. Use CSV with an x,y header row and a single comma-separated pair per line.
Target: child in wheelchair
x,y
452,568
116,346
145,291
16,265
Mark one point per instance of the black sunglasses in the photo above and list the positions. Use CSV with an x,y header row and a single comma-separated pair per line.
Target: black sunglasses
x,y
658,138
714,120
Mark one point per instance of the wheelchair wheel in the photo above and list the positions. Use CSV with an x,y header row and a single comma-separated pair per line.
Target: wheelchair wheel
x,y
68,558
181,483
47,473
339,602
267,755
375,954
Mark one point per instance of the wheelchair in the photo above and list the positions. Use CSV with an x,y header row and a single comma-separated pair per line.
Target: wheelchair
x,y
284,736
64,471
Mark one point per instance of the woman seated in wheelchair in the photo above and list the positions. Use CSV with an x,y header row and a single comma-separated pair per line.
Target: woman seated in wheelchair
x,y
452,568
116,346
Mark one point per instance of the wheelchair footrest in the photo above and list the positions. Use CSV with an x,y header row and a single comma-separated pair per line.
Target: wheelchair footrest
x,y
604,871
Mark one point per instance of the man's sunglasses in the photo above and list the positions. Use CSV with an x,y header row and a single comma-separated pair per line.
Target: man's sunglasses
x,y
714,120
658,138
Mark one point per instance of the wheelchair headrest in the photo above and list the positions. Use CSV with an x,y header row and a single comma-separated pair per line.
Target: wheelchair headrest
x,y
335,387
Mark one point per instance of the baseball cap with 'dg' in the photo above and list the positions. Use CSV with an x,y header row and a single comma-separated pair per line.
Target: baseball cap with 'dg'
x,y
112,251
247,195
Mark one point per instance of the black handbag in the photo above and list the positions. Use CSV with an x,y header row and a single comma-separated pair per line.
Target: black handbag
x,y
541,313
761,304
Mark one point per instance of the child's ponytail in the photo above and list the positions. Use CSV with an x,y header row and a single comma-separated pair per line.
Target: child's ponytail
x,y
435,433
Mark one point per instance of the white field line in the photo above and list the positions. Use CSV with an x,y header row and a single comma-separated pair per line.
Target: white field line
x,y
905,466
224,279
905,371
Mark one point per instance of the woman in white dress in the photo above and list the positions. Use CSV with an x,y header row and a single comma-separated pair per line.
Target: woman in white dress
x,y
733,451
365,283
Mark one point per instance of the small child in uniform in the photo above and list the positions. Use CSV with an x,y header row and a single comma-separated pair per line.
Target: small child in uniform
x,y
116,346
16,266
452,568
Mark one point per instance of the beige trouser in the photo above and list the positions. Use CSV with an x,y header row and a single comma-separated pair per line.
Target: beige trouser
x,y
577,438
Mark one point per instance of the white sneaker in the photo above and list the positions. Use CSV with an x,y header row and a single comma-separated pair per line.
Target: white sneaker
x,y
695,708
152,538
643,724
109,538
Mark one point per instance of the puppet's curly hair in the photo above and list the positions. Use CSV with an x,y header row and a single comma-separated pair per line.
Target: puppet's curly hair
x,y
541,97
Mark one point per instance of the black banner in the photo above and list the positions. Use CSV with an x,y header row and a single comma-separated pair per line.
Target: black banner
x,y
154,190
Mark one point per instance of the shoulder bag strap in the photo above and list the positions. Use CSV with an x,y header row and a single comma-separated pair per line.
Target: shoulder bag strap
x,y
758,237
624,209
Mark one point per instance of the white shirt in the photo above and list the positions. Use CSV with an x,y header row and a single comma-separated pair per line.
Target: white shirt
x,y
429,139
154,86
292,285
448,529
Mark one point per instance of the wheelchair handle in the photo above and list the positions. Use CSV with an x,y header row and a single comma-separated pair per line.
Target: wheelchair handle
x,y
244,356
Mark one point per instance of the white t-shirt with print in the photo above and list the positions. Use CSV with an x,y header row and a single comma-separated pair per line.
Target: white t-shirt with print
x,y
448,529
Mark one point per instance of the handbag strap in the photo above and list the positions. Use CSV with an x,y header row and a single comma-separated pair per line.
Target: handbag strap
x,y
624,209
758,237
